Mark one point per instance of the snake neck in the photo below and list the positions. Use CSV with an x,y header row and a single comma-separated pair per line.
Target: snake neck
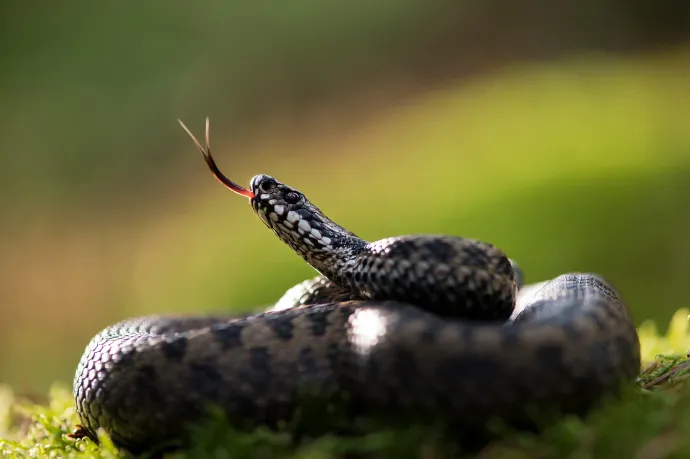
x,y
328,247
336,263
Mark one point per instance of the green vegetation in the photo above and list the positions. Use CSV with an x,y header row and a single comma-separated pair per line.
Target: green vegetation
x,y
651,420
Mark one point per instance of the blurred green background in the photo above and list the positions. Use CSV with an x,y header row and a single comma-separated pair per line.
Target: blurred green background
x,y
559,132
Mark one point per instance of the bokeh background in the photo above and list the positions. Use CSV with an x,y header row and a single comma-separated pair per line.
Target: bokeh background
x,y
557,131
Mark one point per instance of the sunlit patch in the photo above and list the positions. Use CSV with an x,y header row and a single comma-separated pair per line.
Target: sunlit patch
x,y
367,326
527,295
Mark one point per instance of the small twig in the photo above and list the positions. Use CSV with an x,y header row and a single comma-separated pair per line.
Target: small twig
x,y
78,433
651,367
667,375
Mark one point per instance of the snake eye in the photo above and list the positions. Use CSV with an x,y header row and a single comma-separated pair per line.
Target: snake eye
x,y
267,185
291,197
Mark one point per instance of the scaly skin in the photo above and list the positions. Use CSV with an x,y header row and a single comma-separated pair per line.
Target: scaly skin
x,y
414,327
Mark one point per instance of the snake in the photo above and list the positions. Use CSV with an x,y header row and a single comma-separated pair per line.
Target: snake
x,y
411,327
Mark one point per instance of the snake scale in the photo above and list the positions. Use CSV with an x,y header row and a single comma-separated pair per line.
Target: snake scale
x,y
413,326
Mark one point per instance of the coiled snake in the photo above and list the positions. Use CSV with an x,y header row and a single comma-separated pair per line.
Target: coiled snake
x,y
415,325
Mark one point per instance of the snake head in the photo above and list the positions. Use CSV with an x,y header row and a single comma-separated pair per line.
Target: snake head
x,y
267,196
276,203
292,217
283,209
302,226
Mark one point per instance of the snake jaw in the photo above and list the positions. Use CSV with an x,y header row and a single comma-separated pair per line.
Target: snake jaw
x,y
206,152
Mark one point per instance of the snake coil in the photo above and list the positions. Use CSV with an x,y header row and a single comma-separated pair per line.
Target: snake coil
x,y
414,326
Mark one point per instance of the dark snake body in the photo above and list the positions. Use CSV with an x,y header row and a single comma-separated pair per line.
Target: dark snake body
x,y
416,326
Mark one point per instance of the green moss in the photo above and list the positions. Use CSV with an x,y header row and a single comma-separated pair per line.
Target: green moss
x,y
650,420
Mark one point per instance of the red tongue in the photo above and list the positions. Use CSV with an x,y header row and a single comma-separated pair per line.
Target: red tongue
x,y
206,152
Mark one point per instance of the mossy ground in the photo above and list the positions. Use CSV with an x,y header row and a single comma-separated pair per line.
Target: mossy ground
x,y
651,421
